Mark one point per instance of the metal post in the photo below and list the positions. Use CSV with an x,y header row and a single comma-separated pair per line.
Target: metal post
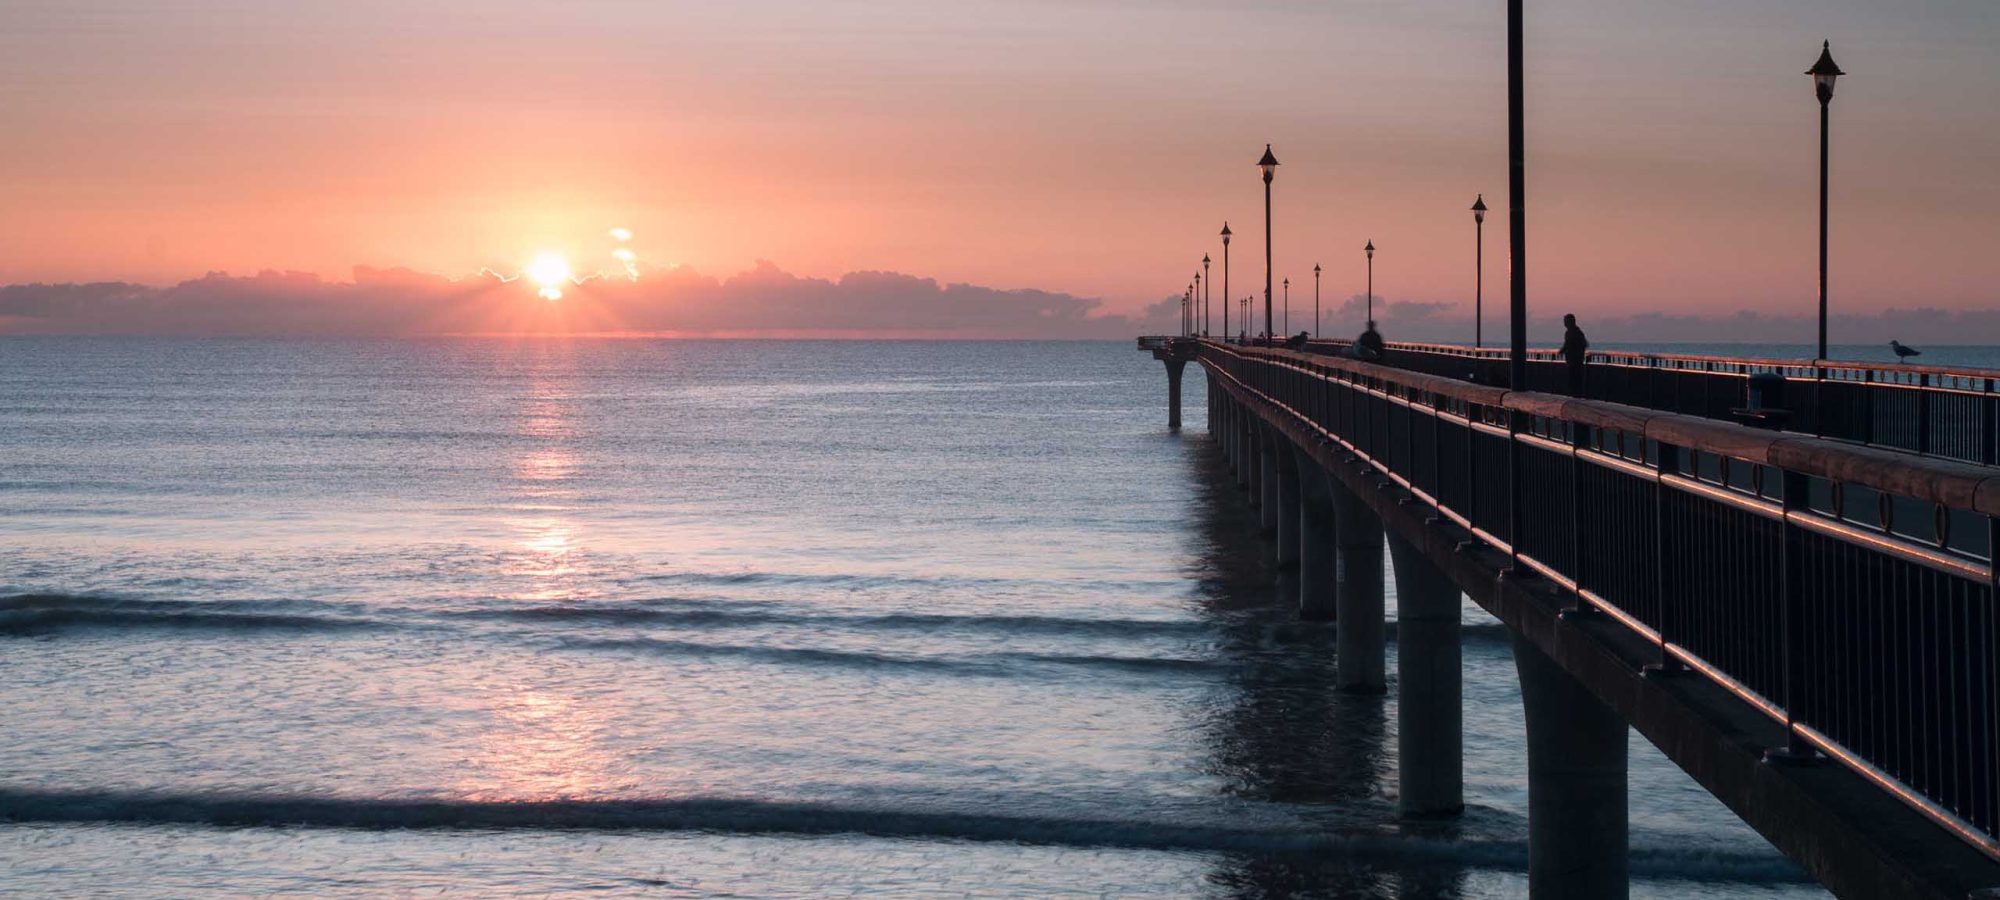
x,y
1207,289
1478,281
1823,104
1517,214
1267,256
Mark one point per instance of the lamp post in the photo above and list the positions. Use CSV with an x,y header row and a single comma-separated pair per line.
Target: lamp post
x,y
1184,308
1370,250
1478,269
1823,74
1197,305
1288,307
1269,164
1225,281
1315,301
1208,287
1517,211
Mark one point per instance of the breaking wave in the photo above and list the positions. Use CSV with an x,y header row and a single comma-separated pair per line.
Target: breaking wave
x,y
747,816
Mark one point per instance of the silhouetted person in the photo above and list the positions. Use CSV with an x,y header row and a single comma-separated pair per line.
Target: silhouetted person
x,y
1297,341
1574,347
1369,345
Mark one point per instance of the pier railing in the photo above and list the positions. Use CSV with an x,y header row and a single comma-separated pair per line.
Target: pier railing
x,y
1936,410
1845,591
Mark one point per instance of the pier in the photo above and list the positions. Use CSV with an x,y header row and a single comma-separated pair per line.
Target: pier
x,y
1789,594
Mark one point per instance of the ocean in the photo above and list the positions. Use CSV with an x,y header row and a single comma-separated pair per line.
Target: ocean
x,y
489,617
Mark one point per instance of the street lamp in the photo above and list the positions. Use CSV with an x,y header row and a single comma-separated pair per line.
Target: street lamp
x,y
1315,301
1823,74
1197,304
1270,166
1184,309
1517,212
1370,250
1288,307
1225,281
1208,287
1478,269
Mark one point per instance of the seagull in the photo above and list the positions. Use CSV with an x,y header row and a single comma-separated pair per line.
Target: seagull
x,y
1903,352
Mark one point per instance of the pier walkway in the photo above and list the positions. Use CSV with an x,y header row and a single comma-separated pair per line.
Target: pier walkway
x,y
1804,624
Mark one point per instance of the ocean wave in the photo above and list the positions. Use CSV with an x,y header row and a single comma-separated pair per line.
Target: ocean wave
x,y
998,664
27,615
749,816
854,581
694,614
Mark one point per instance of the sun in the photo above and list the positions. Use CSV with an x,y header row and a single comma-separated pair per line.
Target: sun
x,y
551,271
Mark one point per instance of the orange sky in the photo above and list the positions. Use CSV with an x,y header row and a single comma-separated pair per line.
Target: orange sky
x,y
1091,148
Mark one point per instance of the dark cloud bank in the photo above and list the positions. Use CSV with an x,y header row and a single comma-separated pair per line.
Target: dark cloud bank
x,y
769,301
400,302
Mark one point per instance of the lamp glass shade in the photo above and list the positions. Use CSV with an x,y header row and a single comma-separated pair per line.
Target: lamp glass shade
x,y
1824,71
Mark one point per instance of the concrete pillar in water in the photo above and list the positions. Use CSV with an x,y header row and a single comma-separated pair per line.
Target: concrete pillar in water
x,y
1253,455
1267,483
1576,784
1430,733
1174,367
1316,541
1358,645
1288,506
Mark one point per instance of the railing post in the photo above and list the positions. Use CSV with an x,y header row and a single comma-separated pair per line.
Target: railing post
x,y
1514,418
1924,412
1792,548
1669,463
1986,422
1578,439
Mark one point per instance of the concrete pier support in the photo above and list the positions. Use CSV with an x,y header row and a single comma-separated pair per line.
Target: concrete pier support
x,y
1253,460
1576,784
1357,595
1316,542
1288,508
1430,733
1267,481
1174,368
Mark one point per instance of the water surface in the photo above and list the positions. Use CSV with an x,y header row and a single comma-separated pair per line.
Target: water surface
x,y
700,619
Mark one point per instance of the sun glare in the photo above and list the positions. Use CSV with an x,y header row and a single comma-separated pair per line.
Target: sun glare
x,y
551,272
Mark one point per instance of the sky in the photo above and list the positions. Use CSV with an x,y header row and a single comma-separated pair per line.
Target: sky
x,y
1068,161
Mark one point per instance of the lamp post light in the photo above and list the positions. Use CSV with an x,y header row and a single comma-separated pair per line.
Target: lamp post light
x,y
1269,164
1823,74
1478,269
1370,250
1288,307
1208,287
1225,281
1315,301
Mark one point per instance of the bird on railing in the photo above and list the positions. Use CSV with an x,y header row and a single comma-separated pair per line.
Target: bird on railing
x,y
1903,352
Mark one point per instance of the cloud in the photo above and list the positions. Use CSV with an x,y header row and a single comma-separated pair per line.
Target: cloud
x,y
765,300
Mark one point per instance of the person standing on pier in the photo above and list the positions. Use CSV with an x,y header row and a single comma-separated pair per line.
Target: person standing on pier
x,y
1574,347
1369,345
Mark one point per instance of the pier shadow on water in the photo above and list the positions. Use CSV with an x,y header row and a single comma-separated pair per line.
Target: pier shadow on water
x,y
1283,735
